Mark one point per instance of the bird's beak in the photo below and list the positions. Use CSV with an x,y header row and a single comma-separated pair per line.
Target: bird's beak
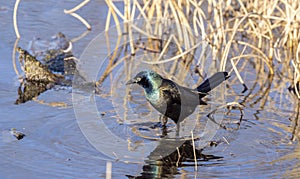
x,y
132,81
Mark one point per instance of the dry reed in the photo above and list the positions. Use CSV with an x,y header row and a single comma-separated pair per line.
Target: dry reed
x,y
240,33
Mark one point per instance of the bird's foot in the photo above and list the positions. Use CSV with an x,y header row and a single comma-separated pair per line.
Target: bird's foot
x,y
162,127
157,125
164,120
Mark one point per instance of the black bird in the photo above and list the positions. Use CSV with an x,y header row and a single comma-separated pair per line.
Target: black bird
x,y
172,100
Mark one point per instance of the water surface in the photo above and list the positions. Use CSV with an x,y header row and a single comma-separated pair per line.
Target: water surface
x,y
266,144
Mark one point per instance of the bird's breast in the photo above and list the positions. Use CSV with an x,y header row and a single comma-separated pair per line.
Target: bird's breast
x,y
157,100
152,96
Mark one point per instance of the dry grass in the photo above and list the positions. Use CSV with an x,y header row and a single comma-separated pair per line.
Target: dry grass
x,y
262,32
265,33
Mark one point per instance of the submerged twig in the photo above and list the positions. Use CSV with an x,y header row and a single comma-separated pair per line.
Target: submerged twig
x,y
72,13
194,151
76,7
231,105
14,58
88,26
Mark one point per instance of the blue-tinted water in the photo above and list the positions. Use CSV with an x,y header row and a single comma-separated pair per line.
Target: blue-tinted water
x,y
266,145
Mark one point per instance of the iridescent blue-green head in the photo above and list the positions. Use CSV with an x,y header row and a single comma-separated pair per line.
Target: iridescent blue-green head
x,y
148,79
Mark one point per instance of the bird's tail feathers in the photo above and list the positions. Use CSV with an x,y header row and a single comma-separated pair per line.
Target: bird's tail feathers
x,y
211,82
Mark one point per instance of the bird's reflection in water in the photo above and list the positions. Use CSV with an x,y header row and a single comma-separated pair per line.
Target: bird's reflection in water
x,y
160,165
172,154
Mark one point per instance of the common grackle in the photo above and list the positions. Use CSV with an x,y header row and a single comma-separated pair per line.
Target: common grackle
x,y
172,100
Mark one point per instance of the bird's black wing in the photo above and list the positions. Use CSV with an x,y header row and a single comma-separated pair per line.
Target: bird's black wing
x,y
181,101
170,91
171,96
180,94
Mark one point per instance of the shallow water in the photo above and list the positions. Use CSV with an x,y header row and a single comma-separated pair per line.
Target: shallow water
x,y
266,144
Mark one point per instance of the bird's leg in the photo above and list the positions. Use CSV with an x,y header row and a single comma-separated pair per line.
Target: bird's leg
x,y
164,131
177,129
164,120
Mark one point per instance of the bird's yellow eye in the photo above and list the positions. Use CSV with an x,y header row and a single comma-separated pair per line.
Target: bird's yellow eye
x,y
138,79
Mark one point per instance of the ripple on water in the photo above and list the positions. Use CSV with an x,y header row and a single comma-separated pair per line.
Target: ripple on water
x,y
256,151
54,146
